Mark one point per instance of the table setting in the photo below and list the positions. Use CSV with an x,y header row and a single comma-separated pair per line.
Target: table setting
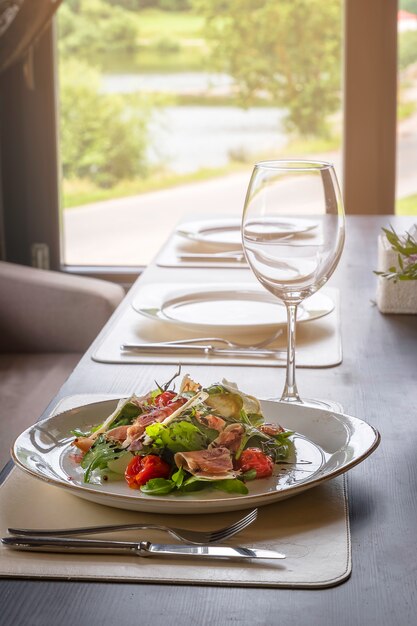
x,y
312,536
289,528
204,243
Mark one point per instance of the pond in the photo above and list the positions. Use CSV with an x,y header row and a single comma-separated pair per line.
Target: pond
x,y
188,138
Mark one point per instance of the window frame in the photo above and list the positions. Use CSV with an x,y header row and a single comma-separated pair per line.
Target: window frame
x,y
32,213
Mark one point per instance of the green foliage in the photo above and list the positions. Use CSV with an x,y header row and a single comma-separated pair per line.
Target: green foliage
x,y
407,48
165,5
407,205
288,51
103,137
406,248
88,29
408,5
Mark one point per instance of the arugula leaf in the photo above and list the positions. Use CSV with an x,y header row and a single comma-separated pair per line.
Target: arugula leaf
x,y
230,485
249,475
99,455
158,486
178,477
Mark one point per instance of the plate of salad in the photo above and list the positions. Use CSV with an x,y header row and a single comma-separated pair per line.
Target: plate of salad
x,y
194,449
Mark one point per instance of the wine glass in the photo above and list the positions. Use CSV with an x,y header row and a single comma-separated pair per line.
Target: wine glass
x,y
293,231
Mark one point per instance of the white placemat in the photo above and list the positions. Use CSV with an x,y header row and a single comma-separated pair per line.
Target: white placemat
x,y
318,341
170,255
312,529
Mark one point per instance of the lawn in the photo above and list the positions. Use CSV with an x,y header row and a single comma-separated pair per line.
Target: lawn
x,y
159,25
168,42
406,206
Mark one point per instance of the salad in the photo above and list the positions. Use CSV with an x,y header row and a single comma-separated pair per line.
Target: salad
x,y
168,441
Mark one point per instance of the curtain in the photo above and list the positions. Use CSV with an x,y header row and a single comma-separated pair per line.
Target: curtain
x,y
22,22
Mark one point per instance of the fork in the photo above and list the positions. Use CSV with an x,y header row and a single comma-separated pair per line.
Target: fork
x,y
203,340
189,536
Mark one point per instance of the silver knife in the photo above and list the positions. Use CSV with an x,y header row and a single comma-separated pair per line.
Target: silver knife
x,y
142,548
201,349
235,257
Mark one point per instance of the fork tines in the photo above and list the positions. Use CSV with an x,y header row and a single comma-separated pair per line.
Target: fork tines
x,y
223,533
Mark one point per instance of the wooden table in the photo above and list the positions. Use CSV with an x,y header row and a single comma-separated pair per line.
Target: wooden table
x,y
377,382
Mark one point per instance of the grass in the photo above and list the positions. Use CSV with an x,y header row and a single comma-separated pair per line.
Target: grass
x,y
78,192
405,110
406,206
157,24
168,42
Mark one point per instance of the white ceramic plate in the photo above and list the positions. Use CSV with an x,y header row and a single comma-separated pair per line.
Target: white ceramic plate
x,y
226,232
229,308
326,445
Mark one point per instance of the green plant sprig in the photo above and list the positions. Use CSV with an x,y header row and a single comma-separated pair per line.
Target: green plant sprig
x,y
406,248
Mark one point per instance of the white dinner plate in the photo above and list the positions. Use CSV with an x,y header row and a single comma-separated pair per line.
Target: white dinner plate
x,y
228,308
226,232
326,444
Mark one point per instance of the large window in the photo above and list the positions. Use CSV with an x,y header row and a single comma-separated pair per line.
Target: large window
x,y
406,188
166,104
163,106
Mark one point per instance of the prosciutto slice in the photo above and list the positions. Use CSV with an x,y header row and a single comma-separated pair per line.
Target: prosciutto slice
x,y
229,438
215,464
211,421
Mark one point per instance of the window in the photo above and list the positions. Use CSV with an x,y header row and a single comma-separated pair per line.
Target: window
x,y
406,187
28,130
165,106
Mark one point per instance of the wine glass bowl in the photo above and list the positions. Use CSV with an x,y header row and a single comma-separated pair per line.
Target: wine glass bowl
x,y
293,232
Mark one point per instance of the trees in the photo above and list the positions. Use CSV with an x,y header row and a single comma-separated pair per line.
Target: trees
x,y
286,51
113,32
103,137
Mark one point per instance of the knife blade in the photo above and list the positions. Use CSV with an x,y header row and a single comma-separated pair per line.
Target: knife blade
x,y
142,548
201,349
231,257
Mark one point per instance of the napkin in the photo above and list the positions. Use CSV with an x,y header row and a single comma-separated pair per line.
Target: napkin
x,y
393,297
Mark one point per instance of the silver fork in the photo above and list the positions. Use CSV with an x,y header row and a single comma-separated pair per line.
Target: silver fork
x,y
189,536
204,340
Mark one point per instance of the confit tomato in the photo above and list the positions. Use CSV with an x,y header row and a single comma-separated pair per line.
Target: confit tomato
x,y
254,458
165,398
143,468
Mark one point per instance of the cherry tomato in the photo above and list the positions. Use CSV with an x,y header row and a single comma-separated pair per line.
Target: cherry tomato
x,y
143,468
254,458
165,398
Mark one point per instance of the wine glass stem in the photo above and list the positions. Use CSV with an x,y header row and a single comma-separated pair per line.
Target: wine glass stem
x,y
290,393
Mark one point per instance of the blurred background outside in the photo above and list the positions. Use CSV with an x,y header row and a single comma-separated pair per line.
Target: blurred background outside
x,y
166,104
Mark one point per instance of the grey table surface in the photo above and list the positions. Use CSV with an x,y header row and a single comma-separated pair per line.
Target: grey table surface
x,y
377,382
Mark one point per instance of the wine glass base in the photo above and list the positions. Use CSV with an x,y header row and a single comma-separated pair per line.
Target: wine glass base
x,y
326,405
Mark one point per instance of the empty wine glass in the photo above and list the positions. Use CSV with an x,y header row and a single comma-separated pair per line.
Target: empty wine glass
x,y
293,231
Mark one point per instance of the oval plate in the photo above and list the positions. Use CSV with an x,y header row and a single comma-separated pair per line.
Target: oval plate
x,y
227,232
326,445
229,308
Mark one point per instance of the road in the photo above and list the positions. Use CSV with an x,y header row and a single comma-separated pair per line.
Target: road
x,y
129,231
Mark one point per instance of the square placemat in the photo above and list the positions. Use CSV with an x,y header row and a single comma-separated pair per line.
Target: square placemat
x,y
312,529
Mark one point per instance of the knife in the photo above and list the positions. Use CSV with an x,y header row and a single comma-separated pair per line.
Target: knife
x,y
142,548
234,257
201,349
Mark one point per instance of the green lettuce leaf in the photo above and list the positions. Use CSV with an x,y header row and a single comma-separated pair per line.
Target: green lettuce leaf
x,y
177,437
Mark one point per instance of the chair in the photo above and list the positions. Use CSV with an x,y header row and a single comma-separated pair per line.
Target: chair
x,y
47,321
